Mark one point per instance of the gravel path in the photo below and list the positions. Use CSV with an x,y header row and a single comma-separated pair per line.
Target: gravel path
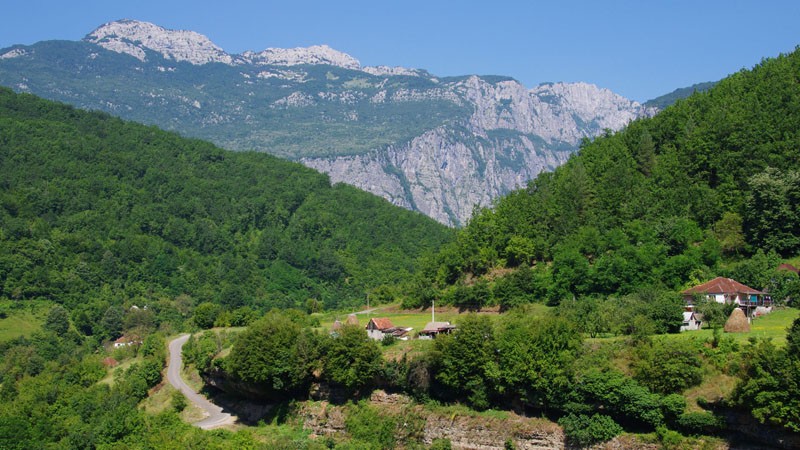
x,y
215,417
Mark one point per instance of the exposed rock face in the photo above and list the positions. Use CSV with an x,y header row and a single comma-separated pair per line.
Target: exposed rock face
x,y
316,54
512,136
469,433
465,432
133,37
445,172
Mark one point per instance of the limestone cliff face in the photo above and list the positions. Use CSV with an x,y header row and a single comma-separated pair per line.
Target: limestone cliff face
x,y
513,134
445,172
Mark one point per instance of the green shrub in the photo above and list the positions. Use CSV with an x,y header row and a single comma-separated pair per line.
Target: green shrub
x,y
441,444
699,423
668,366
669,439
179,401
366,424
388,340
673,406
584,430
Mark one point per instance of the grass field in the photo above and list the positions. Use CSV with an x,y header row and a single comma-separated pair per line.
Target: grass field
x,y
772,326
416,319
22,321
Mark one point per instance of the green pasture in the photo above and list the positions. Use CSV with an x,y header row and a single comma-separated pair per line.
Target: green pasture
x,y
21,320
772,326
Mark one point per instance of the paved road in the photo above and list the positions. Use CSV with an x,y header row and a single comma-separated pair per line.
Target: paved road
x,y
215,417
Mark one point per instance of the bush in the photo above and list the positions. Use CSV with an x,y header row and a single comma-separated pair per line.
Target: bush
x,y
179,401
624,398
368,425
699,423
441,444
669,439
668,366
388,340
583,430
673,406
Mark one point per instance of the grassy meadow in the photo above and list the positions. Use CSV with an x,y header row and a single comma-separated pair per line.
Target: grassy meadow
x,y
772,326
16,320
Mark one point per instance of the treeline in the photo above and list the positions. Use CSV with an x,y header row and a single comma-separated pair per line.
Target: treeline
x,y
668,201
96,214
534,365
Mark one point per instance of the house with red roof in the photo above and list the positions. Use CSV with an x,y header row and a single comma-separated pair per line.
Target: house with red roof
x,y
126,341
379,328
729,291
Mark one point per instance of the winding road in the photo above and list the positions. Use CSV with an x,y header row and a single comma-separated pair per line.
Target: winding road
x,y
215,416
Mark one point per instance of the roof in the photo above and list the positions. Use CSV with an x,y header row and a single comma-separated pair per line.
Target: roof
x,y
398,331
691,315
789,267
435,327
126,339
381,323
721,285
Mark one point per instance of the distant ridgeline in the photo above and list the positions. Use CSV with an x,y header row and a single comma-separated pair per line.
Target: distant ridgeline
x,y
438,145
657,204
96,211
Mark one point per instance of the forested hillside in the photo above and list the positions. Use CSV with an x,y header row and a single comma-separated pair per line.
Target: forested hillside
x,y
660,204
96,213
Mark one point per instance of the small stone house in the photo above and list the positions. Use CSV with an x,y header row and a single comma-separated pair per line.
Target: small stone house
x,y
379,328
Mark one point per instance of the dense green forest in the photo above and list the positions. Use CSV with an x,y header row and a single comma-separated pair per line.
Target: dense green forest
x,y
97,214
667,202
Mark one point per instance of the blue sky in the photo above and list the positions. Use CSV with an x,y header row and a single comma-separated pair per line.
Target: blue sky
x,y
640,49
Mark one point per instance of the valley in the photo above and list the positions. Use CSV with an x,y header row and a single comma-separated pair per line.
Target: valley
x,y
594,237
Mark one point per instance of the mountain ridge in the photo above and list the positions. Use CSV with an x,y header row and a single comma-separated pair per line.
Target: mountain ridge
x,y
440,145
134,37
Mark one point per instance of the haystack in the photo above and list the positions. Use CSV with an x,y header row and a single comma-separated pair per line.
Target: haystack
x,y
737,322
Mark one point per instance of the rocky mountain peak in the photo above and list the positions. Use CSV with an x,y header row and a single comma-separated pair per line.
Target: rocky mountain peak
x,y
316,54
134,37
